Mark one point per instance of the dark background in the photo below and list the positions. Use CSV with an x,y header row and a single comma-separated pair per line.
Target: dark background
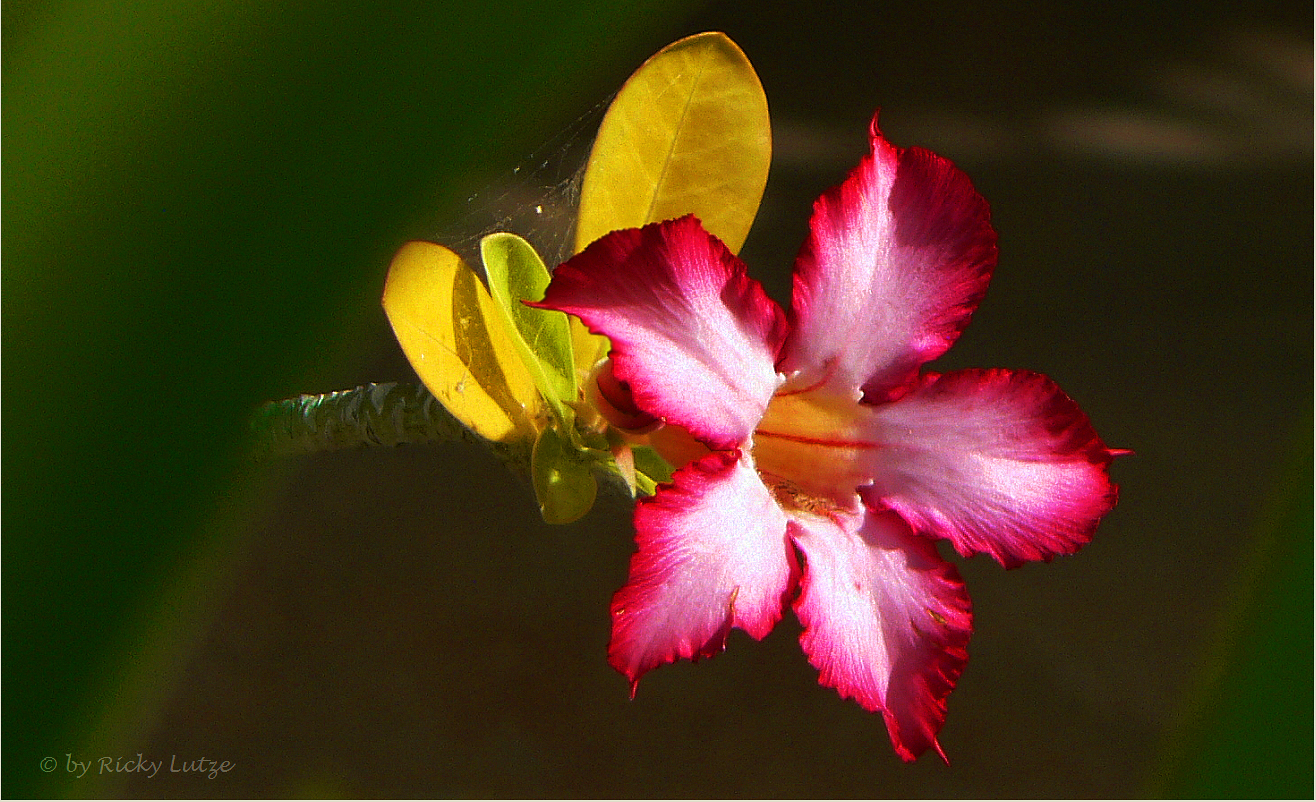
x,y
201,200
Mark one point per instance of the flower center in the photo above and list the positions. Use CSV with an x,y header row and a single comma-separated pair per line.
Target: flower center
x,y
791,496
815,445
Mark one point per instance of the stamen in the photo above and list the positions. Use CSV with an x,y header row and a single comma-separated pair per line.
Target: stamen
x,y
791,496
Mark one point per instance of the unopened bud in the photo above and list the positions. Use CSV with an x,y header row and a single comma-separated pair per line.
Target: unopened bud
x,y
614,400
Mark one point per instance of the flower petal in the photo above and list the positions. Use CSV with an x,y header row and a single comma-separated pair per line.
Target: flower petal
x,y
898,257
694,337
998,461
712,555
886,620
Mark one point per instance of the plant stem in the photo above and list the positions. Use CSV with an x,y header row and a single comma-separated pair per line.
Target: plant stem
x,y
384,414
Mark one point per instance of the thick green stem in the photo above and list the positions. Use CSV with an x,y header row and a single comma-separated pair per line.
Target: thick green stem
x,y
385,414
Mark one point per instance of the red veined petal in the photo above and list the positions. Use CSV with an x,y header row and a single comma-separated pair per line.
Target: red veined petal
x,y
712,555
692,335
997,461
886,620
898,257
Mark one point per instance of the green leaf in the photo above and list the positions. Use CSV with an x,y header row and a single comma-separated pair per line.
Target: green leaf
x,y
650,469
542,336
564,484
687,134
644,485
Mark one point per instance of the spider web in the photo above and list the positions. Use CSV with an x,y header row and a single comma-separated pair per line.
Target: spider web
x,y
537,200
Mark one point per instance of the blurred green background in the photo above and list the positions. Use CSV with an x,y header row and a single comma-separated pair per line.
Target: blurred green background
x,y
201,199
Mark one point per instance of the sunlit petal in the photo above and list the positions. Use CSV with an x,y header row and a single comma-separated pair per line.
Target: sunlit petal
x,y
1000,462
897,259
886,621
692,335
712,555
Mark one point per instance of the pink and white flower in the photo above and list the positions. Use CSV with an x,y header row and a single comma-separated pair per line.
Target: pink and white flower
x,y
818,464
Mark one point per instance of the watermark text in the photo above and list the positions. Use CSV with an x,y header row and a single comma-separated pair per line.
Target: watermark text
x,y
139,764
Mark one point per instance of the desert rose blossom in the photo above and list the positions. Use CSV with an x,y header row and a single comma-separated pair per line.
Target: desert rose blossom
x,y
818,464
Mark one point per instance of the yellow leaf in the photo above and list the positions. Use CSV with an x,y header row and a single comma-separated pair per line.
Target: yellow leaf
x,y
455,339
687,133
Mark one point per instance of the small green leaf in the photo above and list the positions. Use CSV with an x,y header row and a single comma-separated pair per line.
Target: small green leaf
x,y
543,336
644,485
564,484
650,469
